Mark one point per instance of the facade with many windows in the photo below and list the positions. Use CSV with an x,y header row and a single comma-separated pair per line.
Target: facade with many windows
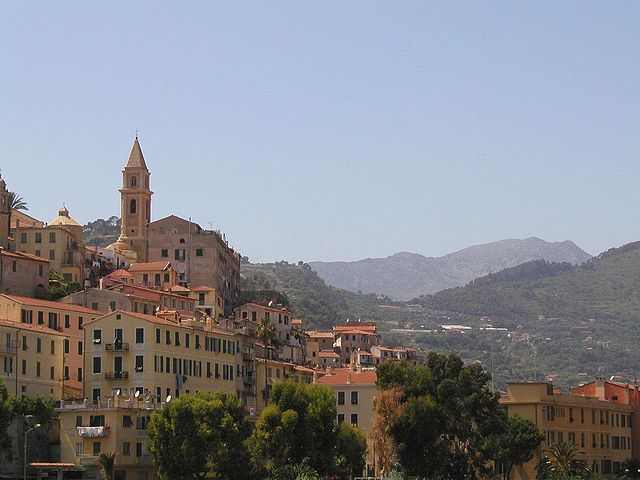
x,y
600,428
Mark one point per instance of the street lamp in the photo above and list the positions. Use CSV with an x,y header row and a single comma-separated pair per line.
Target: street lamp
x,y
26,433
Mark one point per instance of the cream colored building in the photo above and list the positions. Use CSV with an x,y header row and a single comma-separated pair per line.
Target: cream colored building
x,y
355,391
153,274
59,317
601,429
61,241
31,362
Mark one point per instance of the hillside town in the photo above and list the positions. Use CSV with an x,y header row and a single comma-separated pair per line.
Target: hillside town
x,y
156,316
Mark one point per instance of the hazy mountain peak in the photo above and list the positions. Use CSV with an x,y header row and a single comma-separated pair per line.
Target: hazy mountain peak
x,y
406,275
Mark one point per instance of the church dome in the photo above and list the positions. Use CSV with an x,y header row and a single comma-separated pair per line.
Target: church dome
x,y
63,218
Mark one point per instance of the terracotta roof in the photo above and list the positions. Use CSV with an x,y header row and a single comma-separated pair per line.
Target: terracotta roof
x,y
148,266
24,256
320,334
31,327
356,332
300,368
276,308
339,376
142,316
136,159
203,289
35,302
179,288
328,355
371,326
120,273
296,321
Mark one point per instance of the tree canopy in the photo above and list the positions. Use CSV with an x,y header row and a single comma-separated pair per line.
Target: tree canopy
x,y
518,443
200,435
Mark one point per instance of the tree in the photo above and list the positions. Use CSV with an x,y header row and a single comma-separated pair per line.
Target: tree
x,y
630,468
200,435
266,332
16,203
562,462
297,426
6,415
388,409
518,443
451,422
351,448
107,461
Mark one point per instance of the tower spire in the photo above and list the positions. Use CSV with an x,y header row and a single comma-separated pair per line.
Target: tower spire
x,y
136,158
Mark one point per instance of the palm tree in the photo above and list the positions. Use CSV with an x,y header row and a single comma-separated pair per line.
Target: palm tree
x,y
16,202
562,462
266,332
630,468
107,462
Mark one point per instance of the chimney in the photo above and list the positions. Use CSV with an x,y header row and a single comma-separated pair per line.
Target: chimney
x,y
348,379
315,376
329,370
600,387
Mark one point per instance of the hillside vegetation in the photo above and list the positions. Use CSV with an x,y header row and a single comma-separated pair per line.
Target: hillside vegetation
x,y
406,275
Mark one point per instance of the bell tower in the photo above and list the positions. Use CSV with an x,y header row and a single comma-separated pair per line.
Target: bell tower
x,y
135,204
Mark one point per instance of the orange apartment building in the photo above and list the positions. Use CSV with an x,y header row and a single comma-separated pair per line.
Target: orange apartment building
x,y
352,336
59,317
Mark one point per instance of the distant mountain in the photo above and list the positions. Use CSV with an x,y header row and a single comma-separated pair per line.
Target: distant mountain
x,y
407,275
606,286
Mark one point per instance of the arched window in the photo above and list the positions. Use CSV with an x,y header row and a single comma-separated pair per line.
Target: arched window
x,y
157,279
166,278
133,206
182,240
134,181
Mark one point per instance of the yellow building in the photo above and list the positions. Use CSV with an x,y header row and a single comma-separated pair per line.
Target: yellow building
x,y
61,241
32,363
601,429
59,317
158,356
117,424
208,300
355,391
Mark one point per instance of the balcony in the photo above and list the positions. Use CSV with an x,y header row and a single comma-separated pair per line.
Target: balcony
x,y
248,357
115,375
249,380
93,432
8,349
117,347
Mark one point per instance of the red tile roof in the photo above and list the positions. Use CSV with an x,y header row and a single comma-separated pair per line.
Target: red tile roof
x,y
35,302
148,266
203,289
31,327
340,376
23,256
328,355
120,273
320,334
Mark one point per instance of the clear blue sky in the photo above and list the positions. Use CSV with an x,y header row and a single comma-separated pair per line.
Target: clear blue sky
x,y
332,130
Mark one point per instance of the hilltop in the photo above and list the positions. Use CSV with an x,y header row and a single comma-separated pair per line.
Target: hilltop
x,y
406,275
319,304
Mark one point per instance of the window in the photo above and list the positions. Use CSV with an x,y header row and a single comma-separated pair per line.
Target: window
x,y
177,335
40,270
80,321
168,337
24,343
52,237
133,206
37,369
66,345
52,373
180,254
14,266
138,449
139,335
340,398
156,280
24,367
78,420
340,417
97,336
354,419
199,252
23,237
38,253
27,316
166,278
38,237
186,340
164,253
53,320
126,421
38,345
126,449
97,364
80,348
67,321
354,398
139,363
40,318
79,374
96,448
134,181
52,254
53,347
145,278
157,335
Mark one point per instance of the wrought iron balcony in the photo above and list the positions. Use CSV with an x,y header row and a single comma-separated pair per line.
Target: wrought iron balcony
x,y
117,347
115,375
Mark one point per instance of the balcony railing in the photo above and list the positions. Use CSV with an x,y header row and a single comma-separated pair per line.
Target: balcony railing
x,y
117,347
115,375
93,432
9,349
248,357
249,380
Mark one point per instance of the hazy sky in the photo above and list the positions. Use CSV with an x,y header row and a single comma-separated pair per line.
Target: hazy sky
x,y
332,130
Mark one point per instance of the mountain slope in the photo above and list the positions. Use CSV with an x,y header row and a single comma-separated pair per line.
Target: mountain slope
x,y
605,286
406,275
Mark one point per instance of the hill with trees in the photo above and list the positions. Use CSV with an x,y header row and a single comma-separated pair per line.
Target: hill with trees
x,y
406,275
102,232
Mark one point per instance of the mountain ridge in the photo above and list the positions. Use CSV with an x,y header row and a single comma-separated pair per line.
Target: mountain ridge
x,y
405,275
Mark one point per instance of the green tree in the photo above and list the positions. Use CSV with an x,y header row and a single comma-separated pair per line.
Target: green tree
x,y
107,461
562,462
351,448
266,332
297,426
518,443
15,203
200,435
6,415
451,421
630,468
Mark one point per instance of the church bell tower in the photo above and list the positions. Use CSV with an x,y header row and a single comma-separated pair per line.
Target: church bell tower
x,y
135,205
